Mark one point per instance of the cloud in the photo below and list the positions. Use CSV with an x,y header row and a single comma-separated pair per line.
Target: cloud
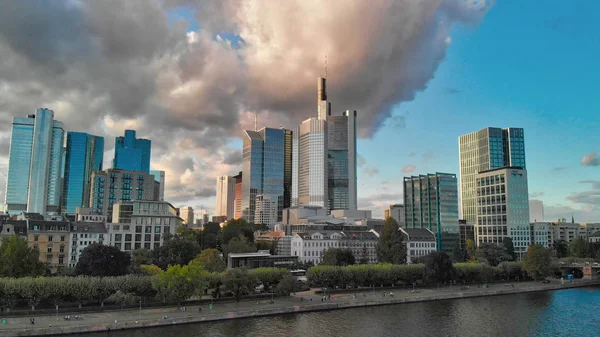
x,y
536,194
233,158
378,202
588,199
408,168
371,171
361,161
106,65
590,159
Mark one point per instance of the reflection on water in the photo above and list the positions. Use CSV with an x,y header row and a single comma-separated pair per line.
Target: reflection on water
x,y
570,312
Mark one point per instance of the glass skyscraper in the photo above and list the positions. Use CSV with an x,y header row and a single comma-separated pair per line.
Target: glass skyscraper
x,y
310,164
484,150
84,155
341,158
132,154
431,202
35,164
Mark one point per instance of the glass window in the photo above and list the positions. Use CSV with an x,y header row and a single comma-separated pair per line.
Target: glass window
x,y
157,229
138,229
127,237
148,229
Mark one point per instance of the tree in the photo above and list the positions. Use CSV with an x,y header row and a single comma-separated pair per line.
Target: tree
x,y
100,260
18,260
238,245
338,257
211,260
391,247
34,290
471,249
123,299
561,248
459,254
239,281
141,257
492,254
438,268
176,250
510,248
234,228
537,262
579,248
287,285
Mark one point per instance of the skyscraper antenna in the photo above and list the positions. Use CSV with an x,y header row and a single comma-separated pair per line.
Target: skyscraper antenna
x,y
325,66
255,121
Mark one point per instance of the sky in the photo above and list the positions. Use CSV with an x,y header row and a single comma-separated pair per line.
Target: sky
x,y
190,75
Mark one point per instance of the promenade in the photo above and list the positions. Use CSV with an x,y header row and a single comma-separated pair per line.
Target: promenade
x,y
301,302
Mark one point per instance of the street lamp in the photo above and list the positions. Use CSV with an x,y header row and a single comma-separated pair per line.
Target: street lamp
x,y
140,314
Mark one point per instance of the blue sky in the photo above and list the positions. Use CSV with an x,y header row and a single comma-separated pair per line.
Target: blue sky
x,y
525,65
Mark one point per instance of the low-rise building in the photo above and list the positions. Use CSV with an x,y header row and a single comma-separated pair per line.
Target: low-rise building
x,y
594,237
259,259
310,246
419,242
84,234
51,239
542,234
85,214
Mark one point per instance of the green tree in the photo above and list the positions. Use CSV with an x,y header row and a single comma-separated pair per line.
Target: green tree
x,y
268,276
492,254
239,244
236,227
338,257
391,247
239,281
579,248
101,260
287,285
471,249
34,290
141,257
510,248
438,268
459,254
18,260
176,250
537,262
561,248
211,260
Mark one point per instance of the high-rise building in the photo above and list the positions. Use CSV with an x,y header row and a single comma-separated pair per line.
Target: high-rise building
x,y
503,207
536,211
187,214
159,176
484,150
396,212
238,196
225,197
84,155
112,186
431,202
310,166
263,169
36,155
265,210
341,157
132,154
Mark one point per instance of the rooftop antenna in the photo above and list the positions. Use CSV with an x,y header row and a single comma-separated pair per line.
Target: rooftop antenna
x,y
325,66
255,121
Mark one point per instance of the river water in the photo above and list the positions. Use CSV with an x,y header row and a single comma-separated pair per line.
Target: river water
x,y
572,312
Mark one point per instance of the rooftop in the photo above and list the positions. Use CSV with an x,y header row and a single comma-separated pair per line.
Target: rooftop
x,y
88,227
503,168
418,234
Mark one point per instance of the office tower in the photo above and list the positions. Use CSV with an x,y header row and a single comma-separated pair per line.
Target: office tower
x,y
341,156
396,212
34,181
187,214
263,169
536,211
225,197
132,154
159,176
484,150
503,207
84,155
287,169
238,196
431,202
114,185
266,208
310,166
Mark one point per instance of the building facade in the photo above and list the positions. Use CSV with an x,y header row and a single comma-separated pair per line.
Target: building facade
x,y
160,177
341,158
36,154
82,235
114,185
536,211
187,214
84,155
237,214
310,246
484,150
419,243
503,207
132,154
467,232
431,202
225,197
51,239
310,184
396,212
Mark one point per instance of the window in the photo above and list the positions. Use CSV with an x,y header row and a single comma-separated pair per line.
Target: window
x,y
147,245
147,237
50,238
137,245
118,237
138,237
128,237
156,237
156,245
116,227
35,238
167,229
49,249
127,245
61,260
62,249
156,229
148,229
125,227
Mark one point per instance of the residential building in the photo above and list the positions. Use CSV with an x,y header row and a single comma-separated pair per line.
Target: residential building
x,y
484,150
396,212
431,202
115,185
10,227
310,246
503,207
187,214
419,242
84,155
84,214
144,227
310,184
132,154
536,210
263,167
594,237
467,232
238,196
225,197
159,176
51,239
84,234
35,162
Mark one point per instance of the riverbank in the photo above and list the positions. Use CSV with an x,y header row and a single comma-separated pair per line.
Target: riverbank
x,y
145,318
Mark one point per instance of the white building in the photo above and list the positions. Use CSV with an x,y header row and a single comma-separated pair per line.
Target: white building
x,y
225,205
187,214
502,201
310,247
84,214
536,211
419,242
542,234
265,210
84,234
396,212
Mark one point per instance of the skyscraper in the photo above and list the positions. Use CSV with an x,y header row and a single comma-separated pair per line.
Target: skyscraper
x,y
341,158
132,154
263,170
34,182
84,155
310,165
431,202
225,205
238,196
536,211
187,214
159,176
484,150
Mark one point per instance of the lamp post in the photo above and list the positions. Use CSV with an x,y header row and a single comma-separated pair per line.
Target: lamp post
x,y
140,312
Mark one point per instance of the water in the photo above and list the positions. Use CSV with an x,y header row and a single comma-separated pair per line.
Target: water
x,y
572,312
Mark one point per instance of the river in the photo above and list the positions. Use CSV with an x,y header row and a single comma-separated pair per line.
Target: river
x,y
572,312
